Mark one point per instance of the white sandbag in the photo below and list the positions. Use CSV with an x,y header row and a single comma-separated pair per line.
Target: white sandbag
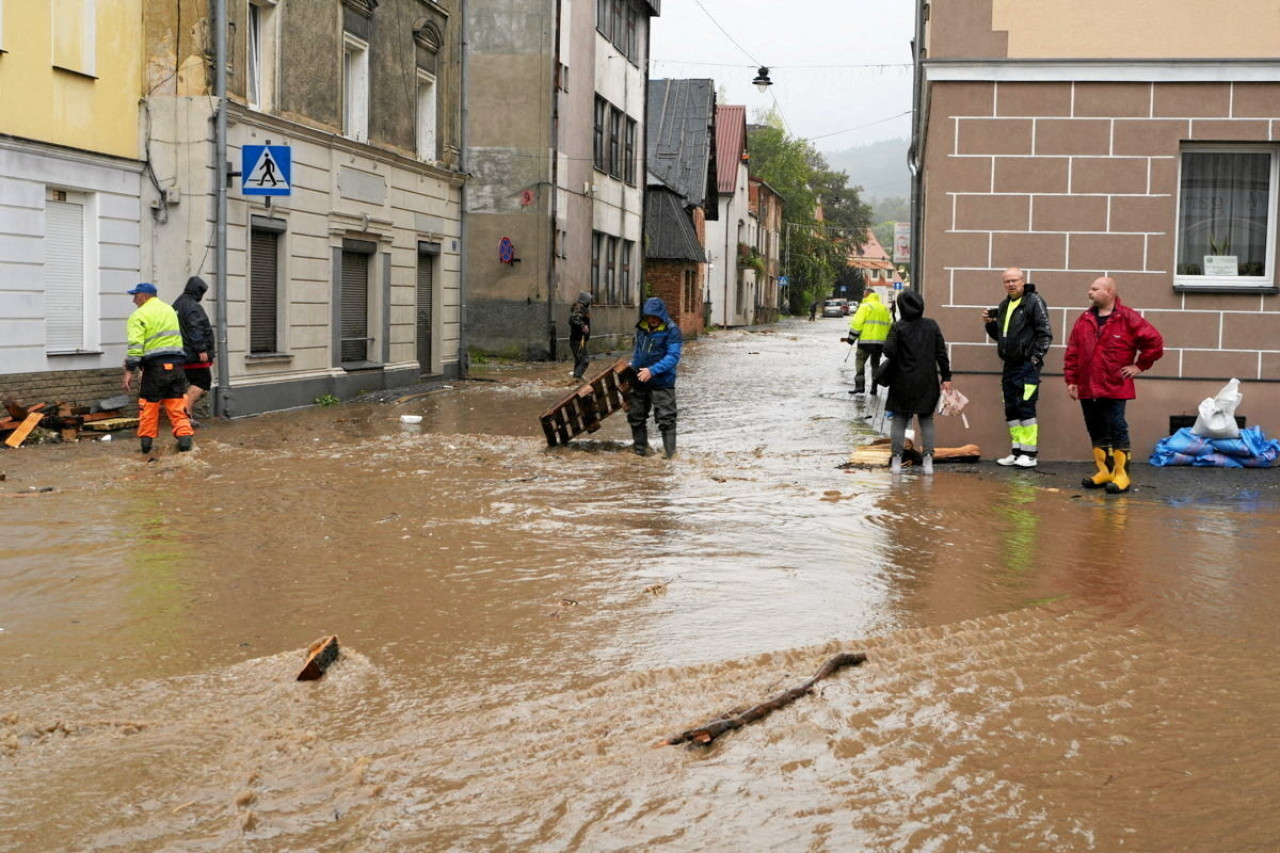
x,y
1217,417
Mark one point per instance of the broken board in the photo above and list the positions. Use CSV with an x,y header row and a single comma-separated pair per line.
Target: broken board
x,y
20,434
320,655
111,424
583,410
878,453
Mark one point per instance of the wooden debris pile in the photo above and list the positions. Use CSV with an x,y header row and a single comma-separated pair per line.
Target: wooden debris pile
x,y
62,418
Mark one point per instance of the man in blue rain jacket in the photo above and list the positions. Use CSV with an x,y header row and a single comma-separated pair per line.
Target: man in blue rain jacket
x,y
658,345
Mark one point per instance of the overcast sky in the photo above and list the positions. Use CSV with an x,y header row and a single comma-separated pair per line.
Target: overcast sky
x,y
836,65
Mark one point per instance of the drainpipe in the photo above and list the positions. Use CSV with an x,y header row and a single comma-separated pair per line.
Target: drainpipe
x,y
915,154
552,277
464,359
222,400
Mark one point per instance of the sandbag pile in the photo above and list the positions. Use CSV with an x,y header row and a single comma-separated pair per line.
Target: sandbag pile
x,y
1251,450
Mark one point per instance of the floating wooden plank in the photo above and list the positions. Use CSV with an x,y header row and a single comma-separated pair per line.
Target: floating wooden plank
x,y
320,655
111,424
589,404
20,434
878,453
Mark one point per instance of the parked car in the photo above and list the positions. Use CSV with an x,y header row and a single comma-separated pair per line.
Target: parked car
x,y
835,308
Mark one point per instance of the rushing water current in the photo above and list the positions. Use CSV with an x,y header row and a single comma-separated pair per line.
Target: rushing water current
x,y
1048,669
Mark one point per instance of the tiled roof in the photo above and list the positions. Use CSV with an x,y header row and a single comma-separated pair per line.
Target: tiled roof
x,y
731,145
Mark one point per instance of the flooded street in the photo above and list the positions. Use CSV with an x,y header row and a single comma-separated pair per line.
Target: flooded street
x,y
1048,669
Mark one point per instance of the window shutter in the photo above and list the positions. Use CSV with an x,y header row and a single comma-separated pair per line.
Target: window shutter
x,y
355,307
424,313
64,276
263,292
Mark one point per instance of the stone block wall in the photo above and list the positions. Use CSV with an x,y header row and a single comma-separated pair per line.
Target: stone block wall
x,y
1070,181
77,387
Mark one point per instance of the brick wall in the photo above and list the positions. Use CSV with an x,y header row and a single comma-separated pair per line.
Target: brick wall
x,y
666,280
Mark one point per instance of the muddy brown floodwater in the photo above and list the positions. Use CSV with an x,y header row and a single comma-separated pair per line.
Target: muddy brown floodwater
x,y
1048,669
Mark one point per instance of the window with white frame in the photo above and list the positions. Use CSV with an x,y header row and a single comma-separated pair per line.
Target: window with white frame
x,y
75,36
596,237
1227,217
65,302
598,149
355,88
426,116
624,267
611,271
261,54
629,167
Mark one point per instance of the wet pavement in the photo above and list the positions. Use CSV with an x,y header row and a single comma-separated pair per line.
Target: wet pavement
x,y
1048,668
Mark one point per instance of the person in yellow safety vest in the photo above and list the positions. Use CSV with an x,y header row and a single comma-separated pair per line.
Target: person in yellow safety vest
x,y
868,329
155,348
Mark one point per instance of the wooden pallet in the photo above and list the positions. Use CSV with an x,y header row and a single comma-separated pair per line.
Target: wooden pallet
x,y
584,409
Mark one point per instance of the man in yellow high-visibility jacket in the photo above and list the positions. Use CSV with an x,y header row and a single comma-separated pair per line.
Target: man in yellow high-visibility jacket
x,y
155,348
869,328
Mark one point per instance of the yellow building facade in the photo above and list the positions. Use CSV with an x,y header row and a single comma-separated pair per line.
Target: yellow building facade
x,y
71,206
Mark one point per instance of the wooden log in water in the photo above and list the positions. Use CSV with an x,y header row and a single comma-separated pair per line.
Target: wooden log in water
x,y
320,655
703,735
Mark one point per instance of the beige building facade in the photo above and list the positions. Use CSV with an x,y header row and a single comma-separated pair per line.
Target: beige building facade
x,y
1077,140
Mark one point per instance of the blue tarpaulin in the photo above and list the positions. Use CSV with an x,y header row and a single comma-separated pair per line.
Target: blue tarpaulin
x,y
1251,450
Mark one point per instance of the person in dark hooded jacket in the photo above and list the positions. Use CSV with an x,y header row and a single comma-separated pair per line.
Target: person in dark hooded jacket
x,y
657,352
918,354
197,341
580,333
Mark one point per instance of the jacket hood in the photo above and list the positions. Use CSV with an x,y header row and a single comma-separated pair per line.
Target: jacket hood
x,y
870,295
584,298
910,305
655,307
195,288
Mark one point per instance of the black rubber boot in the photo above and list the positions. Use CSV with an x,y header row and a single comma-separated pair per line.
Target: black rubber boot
x,y
669,444
184,443
640,441
145,444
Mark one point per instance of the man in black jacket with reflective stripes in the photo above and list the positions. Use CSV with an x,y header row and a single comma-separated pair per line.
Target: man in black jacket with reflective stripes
x,y
1020,327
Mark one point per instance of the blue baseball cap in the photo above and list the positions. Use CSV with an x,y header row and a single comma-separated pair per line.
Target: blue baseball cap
x,y
145,287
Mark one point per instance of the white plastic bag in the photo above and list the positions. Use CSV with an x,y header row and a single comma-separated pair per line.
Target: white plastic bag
x,y
1218,413
952,403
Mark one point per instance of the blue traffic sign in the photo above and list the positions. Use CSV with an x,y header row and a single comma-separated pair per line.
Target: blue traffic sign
x,y
266,170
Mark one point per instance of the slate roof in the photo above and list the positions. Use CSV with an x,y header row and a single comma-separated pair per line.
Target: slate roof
x,y
669,232
681,139
731,144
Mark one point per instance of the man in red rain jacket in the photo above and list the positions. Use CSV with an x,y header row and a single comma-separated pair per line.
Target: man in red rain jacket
x,y
1109,345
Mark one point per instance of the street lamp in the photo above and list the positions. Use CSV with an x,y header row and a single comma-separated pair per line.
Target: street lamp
x,y
762,81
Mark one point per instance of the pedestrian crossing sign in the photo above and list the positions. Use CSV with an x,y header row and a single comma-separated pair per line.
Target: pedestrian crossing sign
x,y
266,170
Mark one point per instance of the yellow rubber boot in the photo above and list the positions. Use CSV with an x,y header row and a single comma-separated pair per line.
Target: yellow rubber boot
x,y
1101,455
1120,479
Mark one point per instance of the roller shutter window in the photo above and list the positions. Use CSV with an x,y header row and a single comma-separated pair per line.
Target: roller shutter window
x,y
264,309
355,306
64,276
424,312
